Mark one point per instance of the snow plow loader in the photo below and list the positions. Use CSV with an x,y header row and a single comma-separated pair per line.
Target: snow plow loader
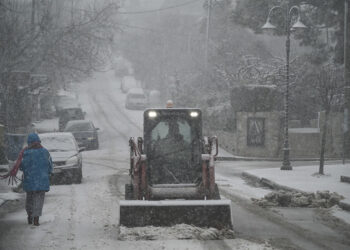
x,y
173,174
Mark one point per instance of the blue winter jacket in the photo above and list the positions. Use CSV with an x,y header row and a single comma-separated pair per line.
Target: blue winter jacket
x,y
36,166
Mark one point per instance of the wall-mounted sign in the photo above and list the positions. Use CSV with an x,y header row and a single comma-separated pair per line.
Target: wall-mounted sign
x,y
255,131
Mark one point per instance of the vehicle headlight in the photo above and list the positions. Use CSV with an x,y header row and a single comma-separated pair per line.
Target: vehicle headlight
x,y
152,114
194,114
72,161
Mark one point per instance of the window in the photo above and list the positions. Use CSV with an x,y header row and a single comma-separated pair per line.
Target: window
x,y
162,130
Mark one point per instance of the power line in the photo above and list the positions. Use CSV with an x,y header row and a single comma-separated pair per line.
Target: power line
x,y
157,31
160,9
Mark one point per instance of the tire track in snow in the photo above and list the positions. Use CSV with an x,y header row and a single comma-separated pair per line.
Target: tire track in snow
x,y
106,165
122,113
108,121
298,235
93,224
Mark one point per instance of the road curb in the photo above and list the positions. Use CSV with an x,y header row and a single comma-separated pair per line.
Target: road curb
x,y
273,185
243,158
270,184
344,205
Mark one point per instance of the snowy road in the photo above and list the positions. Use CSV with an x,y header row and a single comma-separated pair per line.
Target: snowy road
x,y
85,216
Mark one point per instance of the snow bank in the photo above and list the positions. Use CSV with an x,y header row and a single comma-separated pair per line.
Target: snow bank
x,y
323,199
6,193
240,187
8,196
180,232
341,214
304,178
49,125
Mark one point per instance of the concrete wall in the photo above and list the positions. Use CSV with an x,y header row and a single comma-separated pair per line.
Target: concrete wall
x,y
226,140
303,142
334,139
236,141
259,101
271,130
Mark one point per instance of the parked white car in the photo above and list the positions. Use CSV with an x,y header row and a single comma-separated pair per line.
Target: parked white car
x,y
66,157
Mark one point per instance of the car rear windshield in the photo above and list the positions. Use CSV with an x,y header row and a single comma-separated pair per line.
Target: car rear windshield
x,y
73,112
58,143
79,127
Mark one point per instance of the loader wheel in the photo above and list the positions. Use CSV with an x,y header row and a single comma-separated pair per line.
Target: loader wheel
x,y
216,195
129,192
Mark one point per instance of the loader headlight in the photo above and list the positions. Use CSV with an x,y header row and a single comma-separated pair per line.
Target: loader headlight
x,y
194,114
152,114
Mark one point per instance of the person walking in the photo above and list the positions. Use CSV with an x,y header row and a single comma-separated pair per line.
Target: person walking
x,y
36,165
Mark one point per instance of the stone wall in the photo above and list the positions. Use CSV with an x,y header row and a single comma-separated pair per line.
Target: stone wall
x,y
303,142
237,143
226,140
252,126
334,139
271,144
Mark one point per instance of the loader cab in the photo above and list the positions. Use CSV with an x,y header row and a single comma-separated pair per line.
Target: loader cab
x,y
172,143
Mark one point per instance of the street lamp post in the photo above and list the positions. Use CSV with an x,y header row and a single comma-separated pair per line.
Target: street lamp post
x,y
346,142
297,25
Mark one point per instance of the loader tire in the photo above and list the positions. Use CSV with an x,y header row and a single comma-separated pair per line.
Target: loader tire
x,y
129,192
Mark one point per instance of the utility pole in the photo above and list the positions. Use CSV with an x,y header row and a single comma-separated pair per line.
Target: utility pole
x,y
33,14
72,12
207,34
346,82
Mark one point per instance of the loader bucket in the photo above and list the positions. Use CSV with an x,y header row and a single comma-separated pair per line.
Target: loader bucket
x,y
201,213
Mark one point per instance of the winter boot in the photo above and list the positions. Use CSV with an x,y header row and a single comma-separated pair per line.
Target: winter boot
x,y
36,221
30,219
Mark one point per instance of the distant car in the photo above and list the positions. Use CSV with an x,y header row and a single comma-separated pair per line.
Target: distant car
x,y
129,82
154,99
84,132
69,114
64,102
66,157
47,108
136,99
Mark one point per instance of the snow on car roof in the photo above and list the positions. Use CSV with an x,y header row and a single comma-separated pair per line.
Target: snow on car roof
x,y
56,134
78,122
58,141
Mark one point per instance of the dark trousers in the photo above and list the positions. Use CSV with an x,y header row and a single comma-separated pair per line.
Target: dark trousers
x,y
35,203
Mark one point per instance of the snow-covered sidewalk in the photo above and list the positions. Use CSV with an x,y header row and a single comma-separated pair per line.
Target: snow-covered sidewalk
x,y
307,179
